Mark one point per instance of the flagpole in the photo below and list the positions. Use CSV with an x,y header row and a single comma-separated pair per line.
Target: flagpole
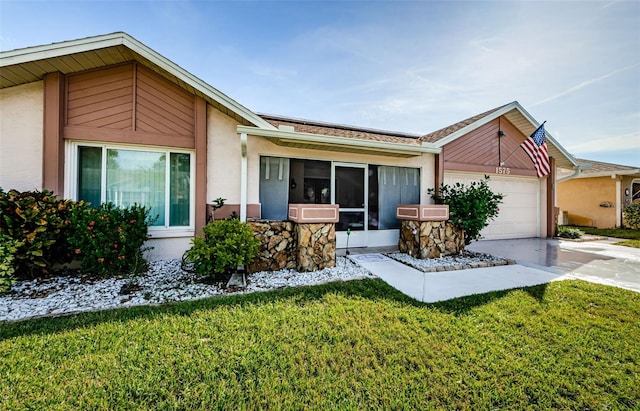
x,y
509,156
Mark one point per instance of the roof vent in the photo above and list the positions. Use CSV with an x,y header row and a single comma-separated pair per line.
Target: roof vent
x,y
282,127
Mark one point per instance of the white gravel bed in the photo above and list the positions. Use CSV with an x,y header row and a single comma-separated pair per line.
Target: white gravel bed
x,y
464,260
165,281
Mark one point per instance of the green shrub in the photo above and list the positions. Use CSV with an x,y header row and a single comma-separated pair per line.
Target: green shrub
x,y
632,215
40,223
569,232
109,240
226,245
8,249
470,206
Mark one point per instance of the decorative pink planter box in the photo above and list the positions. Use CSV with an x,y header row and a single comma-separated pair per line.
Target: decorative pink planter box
x,y
313,213
418,212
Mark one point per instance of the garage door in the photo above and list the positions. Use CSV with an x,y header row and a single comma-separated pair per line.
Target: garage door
x,y
519,211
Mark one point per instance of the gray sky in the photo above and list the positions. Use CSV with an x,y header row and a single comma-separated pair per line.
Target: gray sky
x,y
402,66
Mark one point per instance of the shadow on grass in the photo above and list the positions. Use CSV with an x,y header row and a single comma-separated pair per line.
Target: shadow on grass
x,y
463,305
371,289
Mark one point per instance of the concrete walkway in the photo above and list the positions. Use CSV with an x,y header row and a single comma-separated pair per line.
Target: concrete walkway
x,y
598,261
445,285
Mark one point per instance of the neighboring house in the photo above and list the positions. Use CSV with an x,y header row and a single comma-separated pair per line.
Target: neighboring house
x,y
106,118
597,196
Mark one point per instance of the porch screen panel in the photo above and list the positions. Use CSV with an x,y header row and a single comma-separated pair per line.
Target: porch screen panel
x,y
137,177
90,175
274,187
396,185
409,186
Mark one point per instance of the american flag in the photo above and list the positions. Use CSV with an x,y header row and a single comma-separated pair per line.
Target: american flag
x,y
536,148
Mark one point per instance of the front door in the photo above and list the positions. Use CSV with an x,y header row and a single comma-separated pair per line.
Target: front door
x,y
350,188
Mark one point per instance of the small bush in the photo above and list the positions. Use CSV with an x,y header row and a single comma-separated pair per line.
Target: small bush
x,y
226,245
568,232
470,206
631,214
108,240
40,223
8,249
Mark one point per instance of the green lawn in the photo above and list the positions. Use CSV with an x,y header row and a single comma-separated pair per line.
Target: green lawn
x,y
356,345
632,236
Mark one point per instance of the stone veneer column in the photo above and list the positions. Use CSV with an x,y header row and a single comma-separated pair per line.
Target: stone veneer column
x,y
278,245
316,234
430,239
316,246
426,231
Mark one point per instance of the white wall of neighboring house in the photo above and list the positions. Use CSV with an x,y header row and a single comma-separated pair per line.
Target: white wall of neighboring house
x,y
21,130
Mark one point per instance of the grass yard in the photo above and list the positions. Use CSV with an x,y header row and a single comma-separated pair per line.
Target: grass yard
x,y
355,345
632,236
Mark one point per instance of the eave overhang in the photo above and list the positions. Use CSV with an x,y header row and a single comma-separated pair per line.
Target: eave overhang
x,y
341,144
30,64
524,122
612,174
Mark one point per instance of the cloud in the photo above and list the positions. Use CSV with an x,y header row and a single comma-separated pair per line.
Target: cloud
x,y
584,84
626,142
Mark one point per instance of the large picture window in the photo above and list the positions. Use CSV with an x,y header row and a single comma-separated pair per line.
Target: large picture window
x,y
160,179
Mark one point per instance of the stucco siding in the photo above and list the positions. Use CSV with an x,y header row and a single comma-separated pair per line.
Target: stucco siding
x,y
581,198
224,160
21,130
223,157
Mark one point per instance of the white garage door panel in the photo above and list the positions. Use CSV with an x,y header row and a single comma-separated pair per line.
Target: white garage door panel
x,y
519,211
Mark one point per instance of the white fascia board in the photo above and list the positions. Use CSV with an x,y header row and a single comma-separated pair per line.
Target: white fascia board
x,y
611,174
116,39
466,129
498,113
195,82
549,136
345,141
25,55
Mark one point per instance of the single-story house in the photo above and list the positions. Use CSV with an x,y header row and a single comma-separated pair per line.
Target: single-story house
x,y
106,118
597,196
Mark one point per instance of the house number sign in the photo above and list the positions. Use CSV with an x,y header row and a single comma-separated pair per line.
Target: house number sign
x,y
503,170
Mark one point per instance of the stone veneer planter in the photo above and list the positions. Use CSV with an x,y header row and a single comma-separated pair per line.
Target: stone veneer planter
x,y
278,245
314,213
304,244
425,233
430,239
316,246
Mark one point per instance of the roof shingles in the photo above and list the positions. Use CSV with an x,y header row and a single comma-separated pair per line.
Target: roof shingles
x,y
306,126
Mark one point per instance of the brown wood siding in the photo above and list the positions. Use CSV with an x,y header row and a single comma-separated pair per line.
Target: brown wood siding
x,y
52,142
551,200
161,107
482,150
101,98
201,164
129,103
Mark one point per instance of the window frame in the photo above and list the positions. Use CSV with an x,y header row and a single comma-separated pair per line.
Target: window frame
x,y
72,177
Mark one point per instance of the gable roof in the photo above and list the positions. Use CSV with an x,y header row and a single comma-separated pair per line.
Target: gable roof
x,y
30,64
602,169
513,112
438,135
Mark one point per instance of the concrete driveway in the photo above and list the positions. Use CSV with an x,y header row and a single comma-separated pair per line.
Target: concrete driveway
x,y
597,261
